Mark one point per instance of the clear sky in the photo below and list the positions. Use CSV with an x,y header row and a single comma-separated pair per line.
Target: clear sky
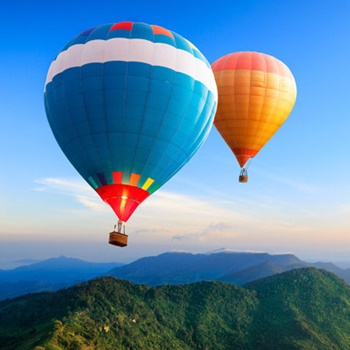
x,y
298,196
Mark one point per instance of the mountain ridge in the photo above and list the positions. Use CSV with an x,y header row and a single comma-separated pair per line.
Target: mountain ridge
x,y
229,266
226,265
51,274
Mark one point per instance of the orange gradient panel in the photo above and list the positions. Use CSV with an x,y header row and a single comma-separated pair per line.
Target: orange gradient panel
x,y
161,30
253,104
134,179
252,61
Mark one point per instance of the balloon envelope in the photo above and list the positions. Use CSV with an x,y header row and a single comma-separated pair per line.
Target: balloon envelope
x,y
257,92
129,104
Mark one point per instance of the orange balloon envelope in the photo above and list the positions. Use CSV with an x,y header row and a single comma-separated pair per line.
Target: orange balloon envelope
x,y
257,92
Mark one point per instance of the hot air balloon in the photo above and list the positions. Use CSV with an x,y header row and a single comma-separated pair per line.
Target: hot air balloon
x,y
129,104
257,92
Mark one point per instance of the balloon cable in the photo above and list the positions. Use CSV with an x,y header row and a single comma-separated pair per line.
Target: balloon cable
x,y
244,169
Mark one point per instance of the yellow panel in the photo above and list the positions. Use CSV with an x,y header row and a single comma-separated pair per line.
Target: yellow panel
x,y
147,184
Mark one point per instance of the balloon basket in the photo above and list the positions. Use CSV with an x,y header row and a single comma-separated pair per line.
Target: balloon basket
x,y
243,178
118,239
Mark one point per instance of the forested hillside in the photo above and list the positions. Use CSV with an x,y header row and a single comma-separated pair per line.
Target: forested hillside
x,y
299,309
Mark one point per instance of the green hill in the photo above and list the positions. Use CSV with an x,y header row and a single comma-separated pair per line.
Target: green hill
x,y
309,308
299,309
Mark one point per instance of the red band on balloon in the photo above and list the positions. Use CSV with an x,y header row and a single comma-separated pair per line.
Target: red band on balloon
x,y
243,154
122,26
123,199
251,61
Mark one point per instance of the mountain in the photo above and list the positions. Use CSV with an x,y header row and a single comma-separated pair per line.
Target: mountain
x,y
310,306
299,309
223,265
169,268
342,273
51,274
265,269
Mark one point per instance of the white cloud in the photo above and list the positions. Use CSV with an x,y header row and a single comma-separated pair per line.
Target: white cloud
x,y
92,203
165,214
178,204
177,219
78,189
63,185
189,207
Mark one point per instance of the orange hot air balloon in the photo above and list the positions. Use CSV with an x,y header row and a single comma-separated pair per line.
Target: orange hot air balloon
x,y
257,92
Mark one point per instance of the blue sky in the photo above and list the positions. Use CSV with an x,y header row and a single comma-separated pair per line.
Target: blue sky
x,y
298,197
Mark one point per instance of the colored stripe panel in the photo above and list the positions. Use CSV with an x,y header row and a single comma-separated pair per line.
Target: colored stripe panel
x,y
93,182
162,31
87,32
154,188
122,26
192,46
117,177
147,184
133,50
102,178
134,179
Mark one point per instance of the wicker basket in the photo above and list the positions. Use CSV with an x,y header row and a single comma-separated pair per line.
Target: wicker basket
x,y
243,178
118,239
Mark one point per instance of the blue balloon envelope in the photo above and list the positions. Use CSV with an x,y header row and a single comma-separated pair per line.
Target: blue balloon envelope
x,y
129,104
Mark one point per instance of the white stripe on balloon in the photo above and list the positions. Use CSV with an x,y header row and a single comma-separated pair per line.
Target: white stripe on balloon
x,y
133,50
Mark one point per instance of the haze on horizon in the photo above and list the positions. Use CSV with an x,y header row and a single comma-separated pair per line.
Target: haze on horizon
x,y
297,198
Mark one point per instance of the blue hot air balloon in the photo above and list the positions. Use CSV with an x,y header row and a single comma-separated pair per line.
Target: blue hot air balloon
x,y
129,104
